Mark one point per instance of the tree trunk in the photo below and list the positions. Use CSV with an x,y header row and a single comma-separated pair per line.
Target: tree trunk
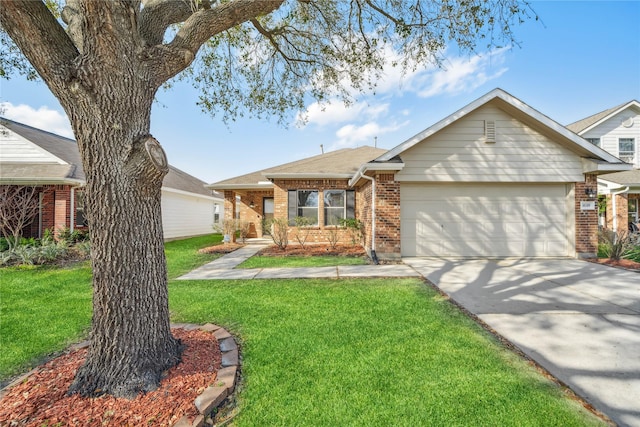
x,y
131,342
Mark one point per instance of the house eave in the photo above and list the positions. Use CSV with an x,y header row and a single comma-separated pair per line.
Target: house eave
x,y
42,181
189,193
595,166
307,175
375,166
608,116
256,186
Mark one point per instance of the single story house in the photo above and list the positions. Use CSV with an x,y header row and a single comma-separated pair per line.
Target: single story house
x,y
496,178
617,130
33,157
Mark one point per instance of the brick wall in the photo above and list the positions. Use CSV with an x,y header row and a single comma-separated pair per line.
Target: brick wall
x,y
363,210
621,212
387,216
586,221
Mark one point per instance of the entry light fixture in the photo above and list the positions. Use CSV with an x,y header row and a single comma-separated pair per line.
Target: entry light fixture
x,y
590,192
251,204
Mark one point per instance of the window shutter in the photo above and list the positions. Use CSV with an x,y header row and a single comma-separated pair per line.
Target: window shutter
x,y
351,204
292,206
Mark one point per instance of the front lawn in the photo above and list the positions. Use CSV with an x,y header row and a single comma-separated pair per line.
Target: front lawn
x,y
317,352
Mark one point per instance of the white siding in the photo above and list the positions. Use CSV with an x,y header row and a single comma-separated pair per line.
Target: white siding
x,y
486,220
16,149
611,130
185,215
459,153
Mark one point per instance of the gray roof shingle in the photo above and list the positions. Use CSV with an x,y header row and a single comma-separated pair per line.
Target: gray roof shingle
x,y
67,150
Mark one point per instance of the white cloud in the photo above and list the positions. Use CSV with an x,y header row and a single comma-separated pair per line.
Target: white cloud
x,y
42,118
336,112
460,75
352,135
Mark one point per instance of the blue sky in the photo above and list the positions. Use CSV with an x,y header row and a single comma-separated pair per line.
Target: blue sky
x,y
582,57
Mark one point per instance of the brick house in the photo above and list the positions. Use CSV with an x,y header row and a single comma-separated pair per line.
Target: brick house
x,y
496,178
33,157
617,130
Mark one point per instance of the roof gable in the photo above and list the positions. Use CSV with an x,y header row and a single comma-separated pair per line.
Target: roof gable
x,y
519,110
582,126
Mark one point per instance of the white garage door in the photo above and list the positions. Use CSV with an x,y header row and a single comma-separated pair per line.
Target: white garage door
x,y
467,220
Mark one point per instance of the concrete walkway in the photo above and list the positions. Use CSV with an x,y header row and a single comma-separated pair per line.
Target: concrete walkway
x,y
579,320
224,268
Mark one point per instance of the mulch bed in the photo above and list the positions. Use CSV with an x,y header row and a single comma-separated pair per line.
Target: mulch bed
x,y
41,400
314,250
224,248
621,263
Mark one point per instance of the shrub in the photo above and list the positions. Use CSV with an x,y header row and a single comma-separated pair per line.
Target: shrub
x,y
280,232
614,245
4,244
243,227
354,227
333,236
302,229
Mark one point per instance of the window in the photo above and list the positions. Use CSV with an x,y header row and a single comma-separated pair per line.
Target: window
x,y
81,220
216,213
303,203
626,149
594,141
634,215
338,204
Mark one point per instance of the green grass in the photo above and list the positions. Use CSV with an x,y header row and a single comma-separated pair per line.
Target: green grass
x,y
42,310
315,352
369,352
183,256
300,261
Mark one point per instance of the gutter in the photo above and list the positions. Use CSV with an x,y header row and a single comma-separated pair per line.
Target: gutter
x,y
374,257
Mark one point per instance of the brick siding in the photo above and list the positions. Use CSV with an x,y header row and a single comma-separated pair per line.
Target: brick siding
x,y
586,227
387,216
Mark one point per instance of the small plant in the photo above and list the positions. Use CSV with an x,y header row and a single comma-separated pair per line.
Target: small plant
x,y
333,236
614,245
244,228
228,228
280,232
354,227
302,229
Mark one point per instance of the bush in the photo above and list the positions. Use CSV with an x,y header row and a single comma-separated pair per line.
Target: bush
x,y
279,232
71,237
333,236
302,229
4,244
354,227
614,245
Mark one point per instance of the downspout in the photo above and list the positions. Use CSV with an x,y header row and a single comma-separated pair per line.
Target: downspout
x,y
615,210
374,257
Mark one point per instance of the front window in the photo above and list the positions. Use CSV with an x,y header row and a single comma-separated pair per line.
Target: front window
x,y
626,149
81,220
308,205
634,215
334,206
594,141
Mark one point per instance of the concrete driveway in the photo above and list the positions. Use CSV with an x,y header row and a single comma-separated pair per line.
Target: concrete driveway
x,y
579,320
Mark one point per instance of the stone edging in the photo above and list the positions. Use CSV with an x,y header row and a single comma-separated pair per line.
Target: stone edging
x,y
226,377
213,396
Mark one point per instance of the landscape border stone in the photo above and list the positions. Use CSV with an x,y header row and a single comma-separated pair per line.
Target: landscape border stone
x,y
226,377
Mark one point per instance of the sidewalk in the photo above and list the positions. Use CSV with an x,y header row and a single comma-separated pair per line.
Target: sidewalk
x,y
224,268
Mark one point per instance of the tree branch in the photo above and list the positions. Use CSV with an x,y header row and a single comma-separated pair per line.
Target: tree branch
x,y
157,15
41,39
200,27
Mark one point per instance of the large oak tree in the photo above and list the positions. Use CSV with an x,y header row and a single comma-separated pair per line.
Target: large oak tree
x,y
105,59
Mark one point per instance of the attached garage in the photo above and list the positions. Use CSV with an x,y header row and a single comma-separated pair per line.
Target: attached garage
x,y
491,219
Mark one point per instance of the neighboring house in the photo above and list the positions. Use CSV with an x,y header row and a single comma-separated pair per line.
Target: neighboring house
x,y
30,156
496,178
617,130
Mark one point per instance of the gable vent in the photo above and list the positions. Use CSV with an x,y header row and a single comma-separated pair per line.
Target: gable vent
x,y
489,131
